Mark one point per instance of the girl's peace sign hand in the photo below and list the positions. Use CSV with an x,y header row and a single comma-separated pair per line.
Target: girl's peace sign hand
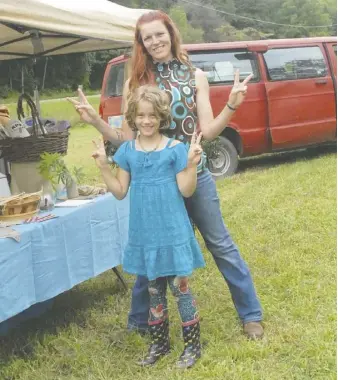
x,y
195,150
99,154
85,110
238,90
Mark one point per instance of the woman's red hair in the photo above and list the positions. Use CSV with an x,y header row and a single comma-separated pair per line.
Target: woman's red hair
x,y
141,61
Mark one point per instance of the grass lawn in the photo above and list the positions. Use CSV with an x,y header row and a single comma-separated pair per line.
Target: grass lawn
x,y
45,95
281,211
59,109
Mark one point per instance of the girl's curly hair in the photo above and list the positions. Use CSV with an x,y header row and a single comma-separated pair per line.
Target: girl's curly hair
x,y
157,98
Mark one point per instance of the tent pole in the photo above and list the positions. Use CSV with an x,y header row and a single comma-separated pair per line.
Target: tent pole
x,y
37,100
36,90
44,74
22,79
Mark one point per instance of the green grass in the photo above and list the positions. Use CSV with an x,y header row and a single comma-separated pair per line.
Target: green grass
x,y
281,211
59,109
80,148
47,94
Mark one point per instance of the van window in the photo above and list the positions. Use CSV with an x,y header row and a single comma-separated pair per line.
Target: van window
x,y
115,80
220,66
334,49
295,63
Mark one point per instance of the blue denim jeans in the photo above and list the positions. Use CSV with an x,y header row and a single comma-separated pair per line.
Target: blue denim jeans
x,y
204,210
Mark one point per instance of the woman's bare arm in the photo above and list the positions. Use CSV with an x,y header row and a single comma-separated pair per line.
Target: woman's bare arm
x,y
212,127
89,115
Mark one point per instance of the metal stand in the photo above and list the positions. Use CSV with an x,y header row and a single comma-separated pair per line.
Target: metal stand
x,y
120,277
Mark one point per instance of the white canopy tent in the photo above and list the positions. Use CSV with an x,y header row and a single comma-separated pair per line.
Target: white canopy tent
x,y
33,28
36,28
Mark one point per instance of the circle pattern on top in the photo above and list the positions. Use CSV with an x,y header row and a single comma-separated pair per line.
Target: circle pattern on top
x,y
188,126
178,81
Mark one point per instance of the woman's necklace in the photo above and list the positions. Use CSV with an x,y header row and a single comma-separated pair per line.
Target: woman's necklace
x,y
152,150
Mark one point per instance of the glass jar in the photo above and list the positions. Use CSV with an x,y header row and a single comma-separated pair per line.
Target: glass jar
x,y
48,197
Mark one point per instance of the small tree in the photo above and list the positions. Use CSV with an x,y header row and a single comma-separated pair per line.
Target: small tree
x,y
188,33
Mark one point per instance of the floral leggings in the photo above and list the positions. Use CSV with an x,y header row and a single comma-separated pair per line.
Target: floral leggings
x,y
180,290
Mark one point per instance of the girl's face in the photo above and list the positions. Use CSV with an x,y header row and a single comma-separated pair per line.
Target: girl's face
x,y
156,39
146,120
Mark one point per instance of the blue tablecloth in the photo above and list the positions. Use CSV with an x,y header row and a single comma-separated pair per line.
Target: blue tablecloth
x,y
58,254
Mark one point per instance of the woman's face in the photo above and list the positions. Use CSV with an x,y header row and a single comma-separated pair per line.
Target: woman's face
x,y
156,40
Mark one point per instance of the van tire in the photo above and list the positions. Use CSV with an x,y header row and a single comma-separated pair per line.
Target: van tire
x,y
226,163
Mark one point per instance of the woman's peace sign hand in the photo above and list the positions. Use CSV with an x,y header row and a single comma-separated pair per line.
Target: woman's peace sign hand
x,y
85,110
238,90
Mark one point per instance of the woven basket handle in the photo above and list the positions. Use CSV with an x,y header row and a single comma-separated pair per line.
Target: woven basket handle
x,y
35,114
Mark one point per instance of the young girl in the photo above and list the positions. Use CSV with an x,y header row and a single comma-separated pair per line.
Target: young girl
x,y
161,244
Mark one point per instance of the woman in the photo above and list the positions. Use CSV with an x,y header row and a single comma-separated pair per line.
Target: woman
x,y
158,59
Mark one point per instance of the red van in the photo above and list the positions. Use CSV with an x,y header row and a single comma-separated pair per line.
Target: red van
x,y
291,101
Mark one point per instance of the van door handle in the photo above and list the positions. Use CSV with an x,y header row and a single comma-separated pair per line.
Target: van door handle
x,y
321,81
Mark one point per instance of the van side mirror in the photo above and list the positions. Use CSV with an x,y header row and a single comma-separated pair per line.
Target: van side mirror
x,y
244,56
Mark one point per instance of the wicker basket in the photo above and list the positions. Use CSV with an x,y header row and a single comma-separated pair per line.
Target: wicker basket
x,y
19,206
28,149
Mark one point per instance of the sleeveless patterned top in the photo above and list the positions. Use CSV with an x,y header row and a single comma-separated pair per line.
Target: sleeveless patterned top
x,y
178,81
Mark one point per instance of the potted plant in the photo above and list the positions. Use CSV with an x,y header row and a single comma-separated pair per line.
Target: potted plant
x,y
72,178
62,177
54,171
49,168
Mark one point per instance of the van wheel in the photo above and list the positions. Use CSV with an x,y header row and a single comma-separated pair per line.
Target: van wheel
x,y
226,162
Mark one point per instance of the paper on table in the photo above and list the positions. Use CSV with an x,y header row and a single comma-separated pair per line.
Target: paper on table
x,y
74,202
10,233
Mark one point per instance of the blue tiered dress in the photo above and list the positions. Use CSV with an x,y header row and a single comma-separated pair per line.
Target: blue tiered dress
x,y
161,239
